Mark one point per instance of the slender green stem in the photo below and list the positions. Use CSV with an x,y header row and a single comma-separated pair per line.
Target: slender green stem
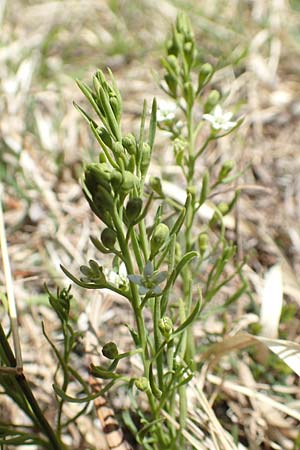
x,y
135,295
27,392
158,340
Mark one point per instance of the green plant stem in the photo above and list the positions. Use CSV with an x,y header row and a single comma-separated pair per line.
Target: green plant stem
x,y
24,386
134,290
158,340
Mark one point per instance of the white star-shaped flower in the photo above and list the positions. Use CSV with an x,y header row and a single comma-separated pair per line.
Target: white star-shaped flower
x,y
220,120
118,278
166,111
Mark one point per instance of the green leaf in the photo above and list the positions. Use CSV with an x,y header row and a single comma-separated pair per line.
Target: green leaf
x,y
85,115
104,374
184,261
189,320
111,119
154,388
88,93
87,398
152,127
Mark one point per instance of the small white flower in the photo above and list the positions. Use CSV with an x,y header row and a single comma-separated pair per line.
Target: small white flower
x,y
166,111
220,120
118,278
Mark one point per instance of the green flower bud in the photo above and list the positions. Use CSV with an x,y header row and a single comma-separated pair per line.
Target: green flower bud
x,y
228,253
183,25
146,158
96,174
172,48
129,143
110,350
116,179
128,182
118,148
171,83
211,101
202,243
100,76
142,384
103,199
188,92
173,63
205,75
165,326
108,238
133,208
188,47
115,106
156,186
105,136
159,236
225,169
223,207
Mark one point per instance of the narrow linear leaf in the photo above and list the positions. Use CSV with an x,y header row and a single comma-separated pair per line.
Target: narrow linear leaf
x,y
88,93
152,127
189,320
184,261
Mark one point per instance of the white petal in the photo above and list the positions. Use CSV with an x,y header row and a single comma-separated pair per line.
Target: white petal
x,y
218,112
122,270
227,116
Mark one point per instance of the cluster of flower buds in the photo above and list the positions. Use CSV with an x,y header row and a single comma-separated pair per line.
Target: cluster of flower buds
x,y
108,101
103,183
93,273
181,55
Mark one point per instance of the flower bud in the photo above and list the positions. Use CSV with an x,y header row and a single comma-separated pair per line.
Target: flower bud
x,y
159,237
118,148
146,158
165,326
103,199
129,143
223,207
202,243
172,48
188,92
211,101
205,74
105,136
225,169
110,350
173,63
116,179
133,208
96,174
171,83
128,182
115,106
142,384
108,238
156,186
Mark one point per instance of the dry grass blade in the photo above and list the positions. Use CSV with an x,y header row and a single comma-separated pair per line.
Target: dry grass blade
x,y
271,302
12,309
288,351
196,443
230,385
223,440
